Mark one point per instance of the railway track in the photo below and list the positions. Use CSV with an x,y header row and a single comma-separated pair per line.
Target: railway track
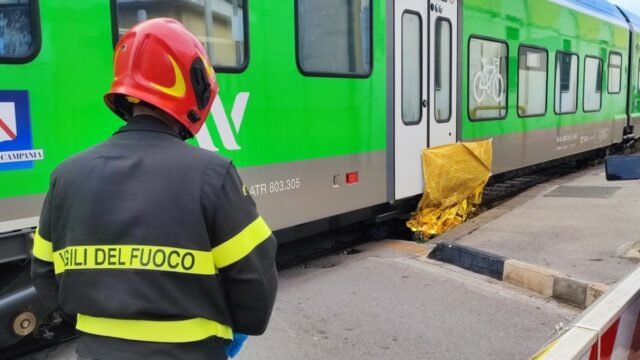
x,y
498,190
505,186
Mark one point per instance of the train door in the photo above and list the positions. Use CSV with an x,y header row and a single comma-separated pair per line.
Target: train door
x,y
443,71
411,28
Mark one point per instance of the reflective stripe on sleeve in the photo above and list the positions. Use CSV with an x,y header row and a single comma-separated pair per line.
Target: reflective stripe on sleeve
x,y
42,249
179,331
242,244
140,257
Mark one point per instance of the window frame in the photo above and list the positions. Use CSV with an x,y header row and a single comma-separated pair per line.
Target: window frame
x,y
506,81
421,63
638,77
555,90
115,34
584,82
36,37
332,74
609,72
451,44
546,86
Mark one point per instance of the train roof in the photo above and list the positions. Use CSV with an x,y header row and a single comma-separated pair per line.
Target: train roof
x,y
633,18
597,8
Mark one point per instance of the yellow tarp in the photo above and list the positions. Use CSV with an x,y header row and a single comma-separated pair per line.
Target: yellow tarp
x,y
455,176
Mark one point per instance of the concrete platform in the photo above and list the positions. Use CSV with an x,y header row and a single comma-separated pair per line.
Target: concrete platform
x,y
580,225
390,302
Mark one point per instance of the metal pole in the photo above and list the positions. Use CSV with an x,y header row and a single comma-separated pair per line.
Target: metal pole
x,y
351,43
208,20
238,44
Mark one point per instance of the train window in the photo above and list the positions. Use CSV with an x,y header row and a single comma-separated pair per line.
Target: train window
x,y
334,37
443,70
592,84
566,96
221,25
532,78
615,73
19,31
411,68
488,64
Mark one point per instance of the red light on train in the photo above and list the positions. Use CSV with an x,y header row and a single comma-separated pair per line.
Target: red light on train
x,y
352,178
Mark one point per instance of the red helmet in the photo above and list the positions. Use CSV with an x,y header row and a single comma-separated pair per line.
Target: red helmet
x,y
161,63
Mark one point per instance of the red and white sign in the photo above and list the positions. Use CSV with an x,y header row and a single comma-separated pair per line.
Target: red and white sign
x,y
8,128
608,330
621,341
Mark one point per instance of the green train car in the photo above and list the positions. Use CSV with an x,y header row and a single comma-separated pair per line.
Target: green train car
x,y
324,105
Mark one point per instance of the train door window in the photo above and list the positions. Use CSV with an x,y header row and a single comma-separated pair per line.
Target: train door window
x,y
615,73
19,31
334,37
221,25
592,84
411,68
488,64
566,94
443,70
532,78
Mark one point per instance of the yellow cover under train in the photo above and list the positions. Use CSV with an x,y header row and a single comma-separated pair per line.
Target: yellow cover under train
x,y
454,177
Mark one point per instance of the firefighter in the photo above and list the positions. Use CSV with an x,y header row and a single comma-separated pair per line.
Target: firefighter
x,y
156,245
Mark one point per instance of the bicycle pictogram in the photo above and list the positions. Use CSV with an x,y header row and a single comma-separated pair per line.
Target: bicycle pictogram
x,y
489,81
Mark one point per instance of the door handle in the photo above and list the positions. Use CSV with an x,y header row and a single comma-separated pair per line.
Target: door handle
x,y
425,103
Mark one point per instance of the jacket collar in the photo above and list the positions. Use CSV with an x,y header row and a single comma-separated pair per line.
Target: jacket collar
x,y
147,123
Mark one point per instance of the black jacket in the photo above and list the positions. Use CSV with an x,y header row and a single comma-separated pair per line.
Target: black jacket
x,y
150,230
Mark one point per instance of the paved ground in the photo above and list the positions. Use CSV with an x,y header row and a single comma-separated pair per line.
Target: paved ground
x,y
580,225
389,302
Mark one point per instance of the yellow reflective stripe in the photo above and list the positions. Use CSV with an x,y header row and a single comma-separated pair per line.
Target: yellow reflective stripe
x,y
177,331
42,249
545,351
242,244
140,257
